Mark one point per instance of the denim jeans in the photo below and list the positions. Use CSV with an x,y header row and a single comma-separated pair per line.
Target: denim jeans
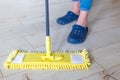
x,y
85,5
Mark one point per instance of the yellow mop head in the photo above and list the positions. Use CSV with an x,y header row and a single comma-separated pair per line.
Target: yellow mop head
x,y
39,60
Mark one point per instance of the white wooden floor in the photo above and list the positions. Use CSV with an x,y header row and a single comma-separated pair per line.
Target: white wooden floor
x,y
22,26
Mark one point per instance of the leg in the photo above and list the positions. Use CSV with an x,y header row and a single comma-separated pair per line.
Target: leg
x,y
75,6
82,20
70,16
85,6
79,31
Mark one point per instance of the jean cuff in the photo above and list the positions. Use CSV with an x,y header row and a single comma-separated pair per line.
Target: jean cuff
x,y
83,9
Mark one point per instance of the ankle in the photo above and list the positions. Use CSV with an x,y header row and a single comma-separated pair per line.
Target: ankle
x,y
84,24
77,12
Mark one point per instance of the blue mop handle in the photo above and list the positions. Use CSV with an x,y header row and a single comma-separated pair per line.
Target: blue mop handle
x,y
47,17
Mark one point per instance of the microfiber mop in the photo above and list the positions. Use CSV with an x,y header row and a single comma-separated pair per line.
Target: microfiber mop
x,y
48,60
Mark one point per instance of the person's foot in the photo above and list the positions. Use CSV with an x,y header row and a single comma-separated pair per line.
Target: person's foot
x,y
78,34
67,18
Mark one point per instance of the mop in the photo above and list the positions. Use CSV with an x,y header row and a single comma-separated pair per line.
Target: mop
x,y
48,60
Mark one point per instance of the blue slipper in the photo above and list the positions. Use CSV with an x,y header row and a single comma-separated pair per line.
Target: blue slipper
x,y
67,18
77,35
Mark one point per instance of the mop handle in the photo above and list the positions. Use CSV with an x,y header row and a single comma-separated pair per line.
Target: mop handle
x,y
48,45
47,17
